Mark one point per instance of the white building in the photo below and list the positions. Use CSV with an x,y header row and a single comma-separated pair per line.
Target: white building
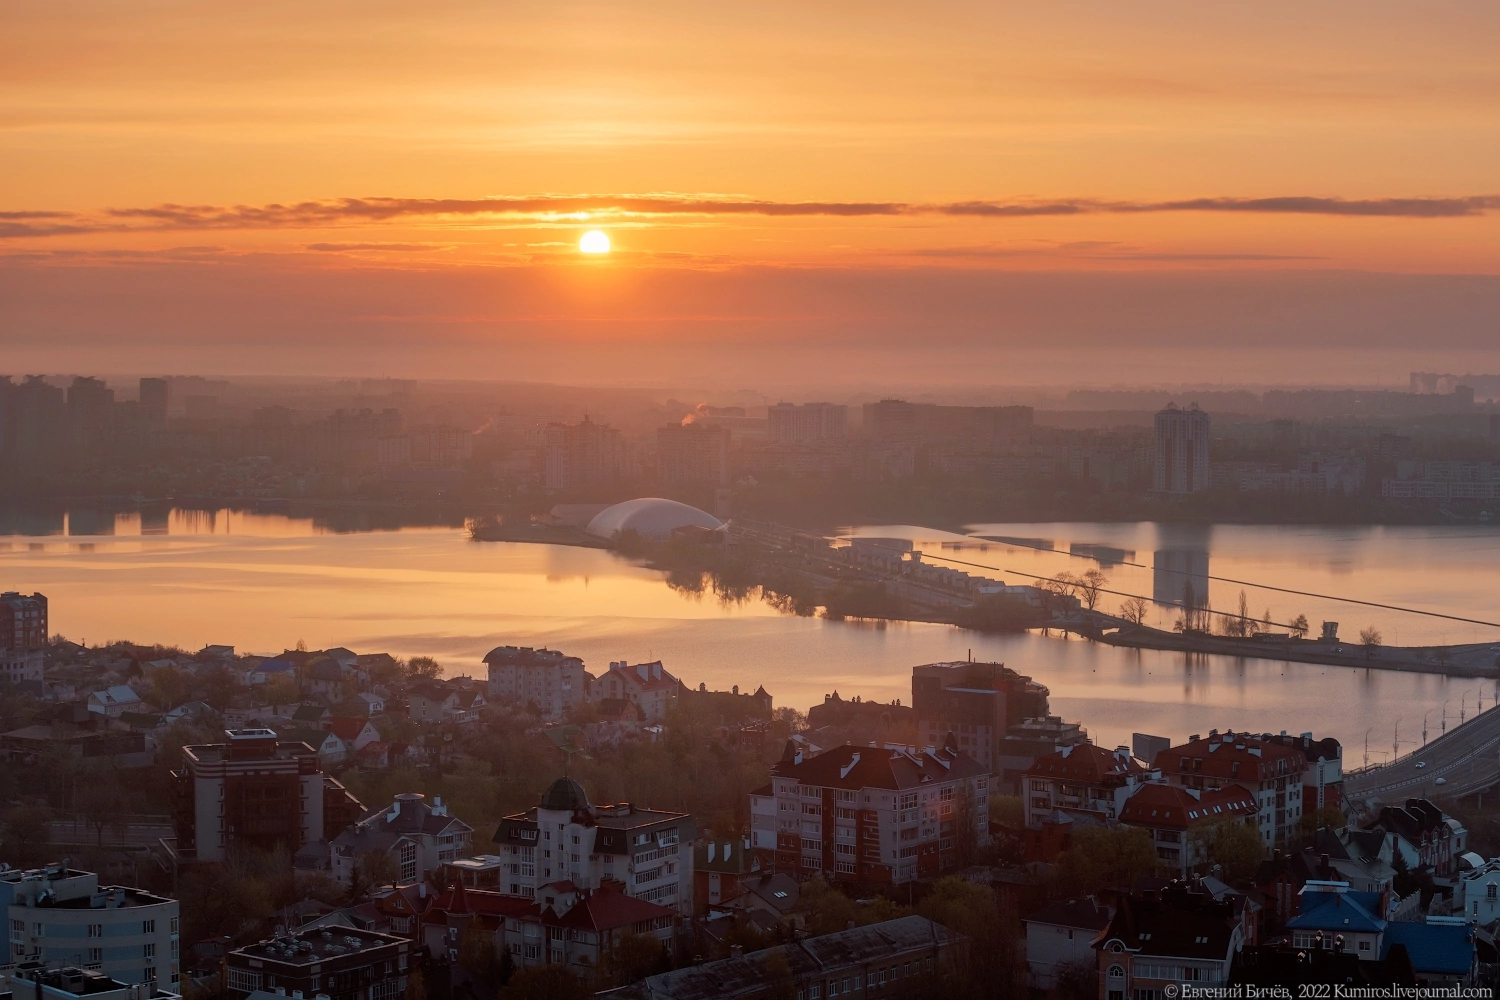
x,y
1477,894
1180,459
522,676
63,917
417,837
566,839
1060,934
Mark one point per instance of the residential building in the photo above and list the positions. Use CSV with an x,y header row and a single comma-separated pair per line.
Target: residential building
x,y
769,899
114,701
789,423
894,958
976,427
356,734
482,871
342,963
63,916
325,678
23,636
651,687
567,839
1084,783
583,454
1426,837
1442,950
728,706
693,454
1328,910
1155,942
1025,742
1476,894
836,711
1171,814
873,814
436,702
1323,786
329,748
1062,934
418,838
722,868
1274,771
72,983
254,791
520,677
977,703
1180,458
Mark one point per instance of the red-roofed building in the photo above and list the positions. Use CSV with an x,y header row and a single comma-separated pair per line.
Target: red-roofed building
x,y
356,733
1081,783
1170,813
1273,771
873,814
564,925
652,689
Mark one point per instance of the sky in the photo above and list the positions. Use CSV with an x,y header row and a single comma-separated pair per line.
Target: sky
x,y
946,193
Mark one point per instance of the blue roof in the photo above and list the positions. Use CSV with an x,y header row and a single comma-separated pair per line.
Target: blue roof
x,y
275,665
1339,912
1433,948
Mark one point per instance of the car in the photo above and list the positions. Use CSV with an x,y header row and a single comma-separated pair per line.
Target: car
x,y
1421,764
1441,781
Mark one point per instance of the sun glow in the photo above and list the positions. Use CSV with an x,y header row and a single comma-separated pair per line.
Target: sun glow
x,y
594,241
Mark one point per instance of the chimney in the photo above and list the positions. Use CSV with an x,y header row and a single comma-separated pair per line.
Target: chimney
x,y
736,951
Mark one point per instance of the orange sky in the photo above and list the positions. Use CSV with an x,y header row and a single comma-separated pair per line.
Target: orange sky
x,y
190,181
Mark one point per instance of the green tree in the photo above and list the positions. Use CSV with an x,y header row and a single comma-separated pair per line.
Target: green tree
x,y
779,982
632,958
166,687
1100,857
993,963
478,955
1315,819
1232,844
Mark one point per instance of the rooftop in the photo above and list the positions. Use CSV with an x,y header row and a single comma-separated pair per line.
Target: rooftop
x,y
317,946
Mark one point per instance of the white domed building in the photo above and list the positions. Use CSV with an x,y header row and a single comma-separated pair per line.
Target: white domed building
x,y
650,517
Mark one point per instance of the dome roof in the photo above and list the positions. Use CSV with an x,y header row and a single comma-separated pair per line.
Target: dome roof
x,y
652,517
565,795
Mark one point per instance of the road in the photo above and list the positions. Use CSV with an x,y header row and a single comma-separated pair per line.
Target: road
x,y
1466,757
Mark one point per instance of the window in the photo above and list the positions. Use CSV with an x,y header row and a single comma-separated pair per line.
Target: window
x,y
1489,891
148,926
97,931
96,955
243,980
148,950
174,925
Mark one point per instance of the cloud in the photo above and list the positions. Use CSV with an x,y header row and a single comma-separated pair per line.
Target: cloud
x,y
348,247
340,212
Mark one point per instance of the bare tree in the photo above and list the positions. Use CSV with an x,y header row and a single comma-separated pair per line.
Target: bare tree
x,y
1088,586
1135,610
1299,626
1370,639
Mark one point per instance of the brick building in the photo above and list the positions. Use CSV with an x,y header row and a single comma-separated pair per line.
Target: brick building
x,y
254,791
23,636
1171,814
1274,771
873,814
977,703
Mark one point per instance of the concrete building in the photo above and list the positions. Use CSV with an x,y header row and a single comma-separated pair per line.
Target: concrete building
x,y
416,837
567,839
1323,783
62,916
72,983
582,454
520,677
977,703
693,454
1180,459
23,636
789,423
1062,934
342,963
1025,742
1178,935
872,814
907,956
254,791
1476,894
653,690
1274,772
1081,783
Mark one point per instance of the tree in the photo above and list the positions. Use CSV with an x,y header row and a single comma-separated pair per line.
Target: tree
x,y
546,982
1299,626
478,955
416,984
102,799
992,961
1232,844
1314,820
1077,980
423,667
168,687
1088,586
1102,857
779,982
632,958
1135,610
26,834
1370,639
281,690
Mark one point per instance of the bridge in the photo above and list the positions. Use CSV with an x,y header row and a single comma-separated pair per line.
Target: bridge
x,y
1466,758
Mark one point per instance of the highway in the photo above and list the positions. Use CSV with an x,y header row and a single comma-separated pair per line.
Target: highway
x,y
1466,757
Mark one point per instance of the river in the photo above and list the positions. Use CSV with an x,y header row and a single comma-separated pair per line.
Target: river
x,y
261,583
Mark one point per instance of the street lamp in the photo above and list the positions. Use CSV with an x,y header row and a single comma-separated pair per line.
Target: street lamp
x,y
1445,713
1396,740
1367,745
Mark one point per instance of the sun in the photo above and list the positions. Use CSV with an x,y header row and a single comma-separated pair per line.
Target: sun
x,y
594,242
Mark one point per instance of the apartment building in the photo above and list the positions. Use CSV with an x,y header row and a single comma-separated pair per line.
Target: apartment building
x,y
1083,783
648,685
341,963
23,636
1272,770
977,703
1161,941
1171,814
253,790
1323,782
872,814
568,839
60,916
520,677
419,838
